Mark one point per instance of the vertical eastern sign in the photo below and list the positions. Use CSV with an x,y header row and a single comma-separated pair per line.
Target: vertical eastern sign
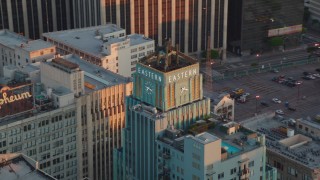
x,y
15,99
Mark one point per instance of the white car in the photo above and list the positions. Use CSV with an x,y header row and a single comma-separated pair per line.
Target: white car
x,y
316,75
280,112
311,77
276,100
246,94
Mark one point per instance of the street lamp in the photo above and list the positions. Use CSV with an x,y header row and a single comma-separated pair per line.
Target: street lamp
x,y
257,97
298,84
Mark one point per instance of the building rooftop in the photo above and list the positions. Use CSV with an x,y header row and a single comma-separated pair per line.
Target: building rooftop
x,y
205,138
35,45
216,97
89,39
18,166
13,40
64,63
168,59
311,123
235,140
280,138
96,77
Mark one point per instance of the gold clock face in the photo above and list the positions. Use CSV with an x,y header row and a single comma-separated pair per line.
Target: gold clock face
x,y
148,87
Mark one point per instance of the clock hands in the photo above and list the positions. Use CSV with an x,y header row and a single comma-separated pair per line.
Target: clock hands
x,y
149,89
184,89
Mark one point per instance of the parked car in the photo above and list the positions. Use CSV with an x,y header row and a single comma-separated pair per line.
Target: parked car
x,y
299,82
276,100
264,104
316,75
306,73
306,78
280,112
311,77
275,79
291,79
238,91
291,84
318,69
292,109
274,70
246,94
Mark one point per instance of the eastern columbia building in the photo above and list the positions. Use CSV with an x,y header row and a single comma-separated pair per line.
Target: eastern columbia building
x,y
170,134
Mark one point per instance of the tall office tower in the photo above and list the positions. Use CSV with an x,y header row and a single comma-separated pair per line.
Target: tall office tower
x,y
33,17
188,23
107,46
101,116
252,23
167,92
314,8
66,113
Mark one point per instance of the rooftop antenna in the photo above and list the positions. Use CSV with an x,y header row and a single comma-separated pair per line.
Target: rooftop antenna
x,y
177,57
166,56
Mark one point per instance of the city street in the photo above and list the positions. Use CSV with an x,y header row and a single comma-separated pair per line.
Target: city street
x,y
262,86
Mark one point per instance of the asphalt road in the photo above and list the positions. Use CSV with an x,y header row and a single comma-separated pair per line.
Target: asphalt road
x,y
261,85
268,59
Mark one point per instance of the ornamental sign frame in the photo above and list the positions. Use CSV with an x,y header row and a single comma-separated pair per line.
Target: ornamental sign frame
x,y
16,99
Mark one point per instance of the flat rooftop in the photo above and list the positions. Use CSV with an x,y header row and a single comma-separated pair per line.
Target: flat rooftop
x,y
95,76
85,39
17,166
205,138
242,141
298,148
12,40
168,59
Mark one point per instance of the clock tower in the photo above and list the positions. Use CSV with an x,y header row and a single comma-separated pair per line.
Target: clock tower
x,y
167,81
167,92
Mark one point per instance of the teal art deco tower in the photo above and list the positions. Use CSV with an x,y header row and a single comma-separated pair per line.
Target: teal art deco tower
x,y
167,92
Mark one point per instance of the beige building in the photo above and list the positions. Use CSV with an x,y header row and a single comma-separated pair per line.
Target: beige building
x,y
16,50
102,117
296,156
223,105
71,134
311,128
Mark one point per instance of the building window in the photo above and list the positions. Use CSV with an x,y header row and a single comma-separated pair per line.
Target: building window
x,y
141,48
221,175
133,50
134,56
141,54
232,171
251,163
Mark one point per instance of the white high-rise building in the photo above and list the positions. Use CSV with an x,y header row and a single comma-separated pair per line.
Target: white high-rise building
x,y
238,155
107,46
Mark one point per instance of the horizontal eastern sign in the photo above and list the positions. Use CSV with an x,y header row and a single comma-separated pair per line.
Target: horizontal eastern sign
x,y
285,30
169,77
149,73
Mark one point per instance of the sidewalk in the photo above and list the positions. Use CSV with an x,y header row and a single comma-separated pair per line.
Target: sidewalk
x,y
236,59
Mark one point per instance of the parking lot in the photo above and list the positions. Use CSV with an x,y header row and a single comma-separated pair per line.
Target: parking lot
x,y
308,103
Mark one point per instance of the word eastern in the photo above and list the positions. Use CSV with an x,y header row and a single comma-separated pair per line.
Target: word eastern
x,y
12,98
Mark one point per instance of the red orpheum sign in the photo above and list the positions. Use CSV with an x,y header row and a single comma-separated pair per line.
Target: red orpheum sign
x,y
15,99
